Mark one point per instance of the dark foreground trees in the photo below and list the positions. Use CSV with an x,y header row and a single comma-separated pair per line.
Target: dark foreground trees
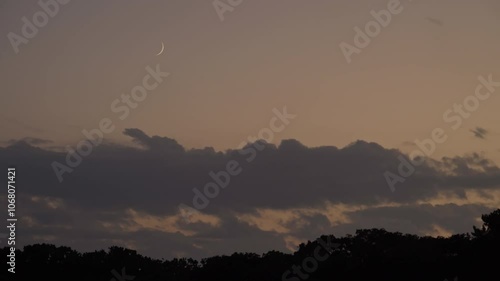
x,y
370,254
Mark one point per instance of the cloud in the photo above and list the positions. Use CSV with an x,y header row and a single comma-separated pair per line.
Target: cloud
x,y
129,195
435,21
30,140
153,143
479,132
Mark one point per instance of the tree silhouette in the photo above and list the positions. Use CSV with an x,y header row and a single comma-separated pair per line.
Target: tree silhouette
x,y
370,254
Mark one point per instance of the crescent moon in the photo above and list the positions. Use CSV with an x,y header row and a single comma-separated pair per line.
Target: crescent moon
x,y
162,48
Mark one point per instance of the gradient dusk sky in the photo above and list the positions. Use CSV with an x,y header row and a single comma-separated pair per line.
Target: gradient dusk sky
x,y
323,173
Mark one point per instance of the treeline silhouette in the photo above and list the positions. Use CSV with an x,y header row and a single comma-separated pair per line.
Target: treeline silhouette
x,y
370,254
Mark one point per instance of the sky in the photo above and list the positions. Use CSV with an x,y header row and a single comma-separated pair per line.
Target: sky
x,y
231,73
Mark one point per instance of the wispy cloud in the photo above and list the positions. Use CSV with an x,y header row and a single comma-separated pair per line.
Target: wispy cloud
x,y
434,21
479,132
30,140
